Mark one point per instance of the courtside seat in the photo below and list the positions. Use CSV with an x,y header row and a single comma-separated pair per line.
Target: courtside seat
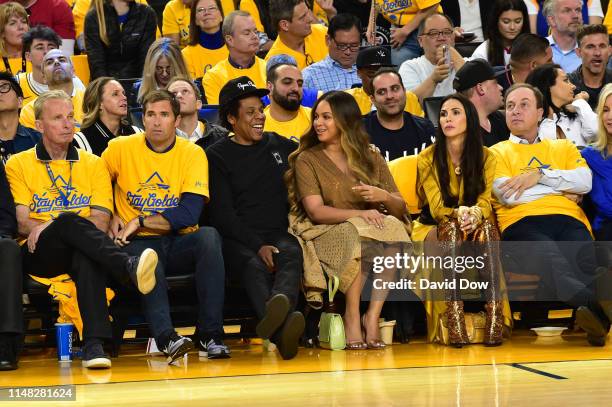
x,y
404,172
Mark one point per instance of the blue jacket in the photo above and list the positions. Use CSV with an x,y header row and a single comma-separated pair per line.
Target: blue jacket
x,y
25,138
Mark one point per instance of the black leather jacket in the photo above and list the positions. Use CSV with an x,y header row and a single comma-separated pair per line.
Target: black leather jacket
x,y
125,56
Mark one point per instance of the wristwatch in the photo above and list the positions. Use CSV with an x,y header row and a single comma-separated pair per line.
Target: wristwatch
x,y
141,219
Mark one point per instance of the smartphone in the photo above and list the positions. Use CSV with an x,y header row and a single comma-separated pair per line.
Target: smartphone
x,y
446,54
468,36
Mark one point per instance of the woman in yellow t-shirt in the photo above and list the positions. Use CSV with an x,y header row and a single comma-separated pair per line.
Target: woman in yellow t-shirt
x,y
455,177
13,25
206,44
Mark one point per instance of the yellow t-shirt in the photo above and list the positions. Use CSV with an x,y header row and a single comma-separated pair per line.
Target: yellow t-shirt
x,y
401,12
176,20
87,186
147,183
515,159
314,48
27,119
227,6
199,59
365,103
607,21
220,74
292,129
250,7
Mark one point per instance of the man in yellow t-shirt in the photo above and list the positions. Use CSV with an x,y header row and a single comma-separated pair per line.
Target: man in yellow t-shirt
x,y
160,187
405,18
58,73
175,23
241,39
537,185
297,36
63,199
285,115
369,61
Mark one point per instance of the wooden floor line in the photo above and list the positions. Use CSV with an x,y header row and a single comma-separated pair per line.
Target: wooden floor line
x,y
537,371
518,365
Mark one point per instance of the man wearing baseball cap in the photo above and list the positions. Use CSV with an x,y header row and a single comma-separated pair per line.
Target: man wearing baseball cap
x,y
250,210
369,61
477,81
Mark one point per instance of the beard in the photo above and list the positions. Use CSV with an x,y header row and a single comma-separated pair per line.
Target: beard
x,y
291,105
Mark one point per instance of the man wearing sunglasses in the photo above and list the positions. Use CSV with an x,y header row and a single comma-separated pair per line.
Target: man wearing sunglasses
x,y
431,74
338,71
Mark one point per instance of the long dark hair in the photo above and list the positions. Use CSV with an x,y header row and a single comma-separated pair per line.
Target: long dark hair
x,y
194,30
495,52
472,159
544,77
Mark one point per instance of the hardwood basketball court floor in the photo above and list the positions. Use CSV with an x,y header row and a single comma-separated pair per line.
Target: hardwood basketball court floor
x,y
525,371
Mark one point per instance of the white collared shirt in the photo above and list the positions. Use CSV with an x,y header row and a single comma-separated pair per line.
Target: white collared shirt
x,y
197,134
582,130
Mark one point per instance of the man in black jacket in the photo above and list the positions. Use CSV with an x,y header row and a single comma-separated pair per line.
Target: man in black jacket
x,y
189,127
249,208
10,338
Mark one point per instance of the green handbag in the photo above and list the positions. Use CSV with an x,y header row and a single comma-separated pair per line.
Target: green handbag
x,y
331,326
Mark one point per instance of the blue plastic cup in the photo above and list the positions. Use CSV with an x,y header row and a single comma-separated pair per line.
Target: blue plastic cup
x,y
64,341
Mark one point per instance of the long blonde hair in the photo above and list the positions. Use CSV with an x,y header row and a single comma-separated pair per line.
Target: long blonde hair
x,y
98,5
354,141
8,10
602,134
163,47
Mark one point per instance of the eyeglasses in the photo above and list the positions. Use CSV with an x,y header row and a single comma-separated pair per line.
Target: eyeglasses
x,y
344,47
161,69
437,33
5,87
206,10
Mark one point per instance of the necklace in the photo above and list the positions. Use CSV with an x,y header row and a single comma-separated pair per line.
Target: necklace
x,y
458,170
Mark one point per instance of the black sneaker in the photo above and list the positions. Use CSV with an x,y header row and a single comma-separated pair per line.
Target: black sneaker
x,y
213,349
94,356
290,335
8,353
276,313
142,270
592,325
177,347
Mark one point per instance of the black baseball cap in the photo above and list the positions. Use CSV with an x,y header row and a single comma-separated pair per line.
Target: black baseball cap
x,y
472,73
378,56
240,88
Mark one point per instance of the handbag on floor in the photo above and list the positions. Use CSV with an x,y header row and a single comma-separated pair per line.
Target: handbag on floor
x,y
331,326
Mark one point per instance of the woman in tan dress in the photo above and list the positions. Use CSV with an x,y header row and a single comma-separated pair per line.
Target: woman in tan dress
x,y
342,195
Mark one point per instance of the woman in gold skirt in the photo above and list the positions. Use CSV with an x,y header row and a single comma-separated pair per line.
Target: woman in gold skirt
x,y
455,177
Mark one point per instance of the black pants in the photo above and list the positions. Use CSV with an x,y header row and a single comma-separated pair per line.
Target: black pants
x,y
11,320
73,245
255,277
550,247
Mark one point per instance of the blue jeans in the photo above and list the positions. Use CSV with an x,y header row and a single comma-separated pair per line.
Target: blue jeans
x,y
410,49
198,252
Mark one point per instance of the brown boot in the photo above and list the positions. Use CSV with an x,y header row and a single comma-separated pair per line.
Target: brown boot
x,y
494,324
455,321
